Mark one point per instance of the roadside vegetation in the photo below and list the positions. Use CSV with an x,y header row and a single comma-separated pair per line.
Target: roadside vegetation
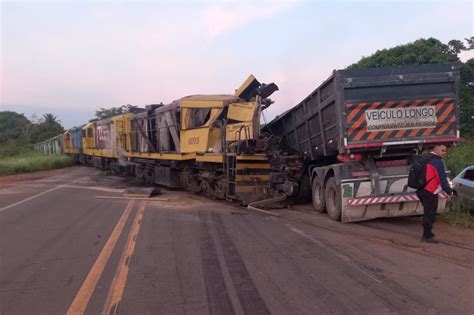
x,y
33,162
457,159
17,134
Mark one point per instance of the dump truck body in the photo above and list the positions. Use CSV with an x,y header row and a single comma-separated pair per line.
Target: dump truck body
x,y
362,127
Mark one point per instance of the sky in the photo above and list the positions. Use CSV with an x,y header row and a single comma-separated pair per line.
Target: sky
x,y
72,57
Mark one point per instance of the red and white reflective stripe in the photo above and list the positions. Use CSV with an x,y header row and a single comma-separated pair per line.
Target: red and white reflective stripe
x,y
387,199
380,144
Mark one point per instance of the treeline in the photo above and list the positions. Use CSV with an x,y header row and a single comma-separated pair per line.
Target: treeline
x,y
17,132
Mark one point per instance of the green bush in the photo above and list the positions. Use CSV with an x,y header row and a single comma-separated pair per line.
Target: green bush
x,y
460,156
32,162
10,149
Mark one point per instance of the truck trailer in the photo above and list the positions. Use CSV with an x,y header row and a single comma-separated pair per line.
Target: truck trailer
x,y
360,130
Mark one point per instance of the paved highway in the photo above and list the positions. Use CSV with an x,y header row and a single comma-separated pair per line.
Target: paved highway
x,y
65,248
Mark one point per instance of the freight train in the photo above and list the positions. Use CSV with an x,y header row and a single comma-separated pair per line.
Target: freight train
x,y
347,146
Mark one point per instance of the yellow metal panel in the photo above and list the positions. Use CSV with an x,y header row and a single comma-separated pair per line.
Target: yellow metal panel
x,y
194,140
252,177
101,153
214,144
207,101
213,115
202,104
127,129
162,156
242,166
71,151
184,118
245,85
242,111
210,158
233,130
67,141
88,142
87,151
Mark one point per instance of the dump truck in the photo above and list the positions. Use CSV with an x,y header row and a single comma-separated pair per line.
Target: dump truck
x,y
360,130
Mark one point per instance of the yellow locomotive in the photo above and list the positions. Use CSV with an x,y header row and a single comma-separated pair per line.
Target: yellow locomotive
x,y
204,143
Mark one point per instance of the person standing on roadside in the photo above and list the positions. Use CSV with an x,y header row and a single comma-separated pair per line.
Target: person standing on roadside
x,y
436,181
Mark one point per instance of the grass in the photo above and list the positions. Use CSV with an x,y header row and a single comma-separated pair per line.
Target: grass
x,y
457,159
460,157
458,216
16,159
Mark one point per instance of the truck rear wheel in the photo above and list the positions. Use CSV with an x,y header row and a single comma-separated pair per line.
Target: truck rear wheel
x,y
332,195
304,193
317,192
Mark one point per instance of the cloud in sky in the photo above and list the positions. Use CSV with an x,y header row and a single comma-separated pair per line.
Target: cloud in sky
x,y
87,55
219,19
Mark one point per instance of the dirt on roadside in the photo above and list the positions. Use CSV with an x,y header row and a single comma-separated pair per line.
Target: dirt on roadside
x,y
13,180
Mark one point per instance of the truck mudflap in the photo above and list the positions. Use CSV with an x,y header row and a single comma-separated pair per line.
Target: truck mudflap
x,y
366,208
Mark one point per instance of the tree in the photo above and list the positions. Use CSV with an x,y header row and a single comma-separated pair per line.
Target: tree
x,y
13,127
103,113
48,128
431,50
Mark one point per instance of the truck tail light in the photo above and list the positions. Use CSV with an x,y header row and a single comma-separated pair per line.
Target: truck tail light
x,y
349,157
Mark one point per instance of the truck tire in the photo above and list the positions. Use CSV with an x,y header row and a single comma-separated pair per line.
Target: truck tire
x,y
332,195
304,190
317,193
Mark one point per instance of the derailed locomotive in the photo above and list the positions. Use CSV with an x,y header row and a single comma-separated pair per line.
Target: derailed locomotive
x,y
211,144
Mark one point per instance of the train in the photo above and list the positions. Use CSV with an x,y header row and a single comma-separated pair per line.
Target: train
x,y
345,147
208,144
54,145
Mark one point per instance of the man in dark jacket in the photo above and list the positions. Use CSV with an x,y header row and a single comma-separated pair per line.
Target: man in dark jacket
x,y
436,181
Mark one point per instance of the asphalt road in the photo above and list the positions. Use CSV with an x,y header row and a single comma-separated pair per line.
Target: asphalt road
x,y
65,250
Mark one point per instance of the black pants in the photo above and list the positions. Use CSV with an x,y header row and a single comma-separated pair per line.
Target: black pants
x,y
430,205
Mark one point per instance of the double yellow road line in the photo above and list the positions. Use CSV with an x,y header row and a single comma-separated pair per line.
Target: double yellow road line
x,y
117,287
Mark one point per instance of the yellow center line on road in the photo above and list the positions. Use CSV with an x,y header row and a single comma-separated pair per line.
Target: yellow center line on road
x,y
120,278
84,294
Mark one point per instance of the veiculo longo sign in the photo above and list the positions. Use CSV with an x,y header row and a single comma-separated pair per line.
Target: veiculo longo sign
x,y
401,118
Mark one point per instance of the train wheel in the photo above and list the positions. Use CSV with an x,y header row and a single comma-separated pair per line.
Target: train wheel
x,y
139,172
332,195
192,183
220,189
317,192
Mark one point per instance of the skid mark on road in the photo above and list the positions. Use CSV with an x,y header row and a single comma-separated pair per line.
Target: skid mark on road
x,y
247,292
84,294
417,249
344,257
218,299
120,278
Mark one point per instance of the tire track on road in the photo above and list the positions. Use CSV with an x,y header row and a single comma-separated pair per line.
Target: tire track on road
x,y
247,292
413,249
218,299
